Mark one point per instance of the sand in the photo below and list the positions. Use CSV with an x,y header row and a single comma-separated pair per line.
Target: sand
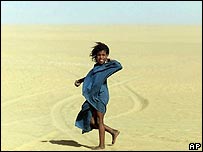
x,y
155,100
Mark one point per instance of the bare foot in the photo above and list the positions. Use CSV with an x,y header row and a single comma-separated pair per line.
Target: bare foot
x,y
114,136
98,148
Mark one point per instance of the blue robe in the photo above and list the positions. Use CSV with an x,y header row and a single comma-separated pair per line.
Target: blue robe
x,y
95,91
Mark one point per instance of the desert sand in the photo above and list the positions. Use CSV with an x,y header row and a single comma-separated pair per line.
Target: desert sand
x,y
155,100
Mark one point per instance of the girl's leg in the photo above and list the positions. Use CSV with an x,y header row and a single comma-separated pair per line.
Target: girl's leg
x,y
101,128
93,121
94,124
113,132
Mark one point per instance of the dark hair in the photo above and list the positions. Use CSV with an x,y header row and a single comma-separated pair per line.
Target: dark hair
x,y
99,47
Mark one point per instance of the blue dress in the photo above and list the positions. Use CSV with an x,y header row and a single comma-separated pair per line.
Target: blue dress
x,y
95,91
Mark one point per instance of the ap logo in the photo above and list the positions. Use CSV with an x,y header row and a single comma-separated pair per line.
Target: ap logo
x,y
194,146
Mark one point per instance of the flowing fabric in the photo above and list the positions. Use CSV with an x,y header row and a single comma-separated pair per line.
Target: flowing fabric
x,y
95,91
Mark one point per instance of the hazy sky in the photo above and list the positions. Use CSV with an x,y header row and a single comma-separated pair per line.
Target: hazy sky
x,y
101,12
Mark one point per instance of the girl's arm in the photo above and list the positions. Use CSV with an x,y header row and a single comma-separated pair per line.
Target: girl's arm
x,y
78,82
81,80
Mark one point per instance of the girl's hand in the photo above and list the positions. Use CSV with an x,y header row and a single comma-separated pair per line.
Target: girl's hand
x,y
77,83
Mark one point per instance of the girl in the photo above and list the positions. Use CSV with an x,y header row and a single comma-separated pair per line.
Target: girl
x,y
96,93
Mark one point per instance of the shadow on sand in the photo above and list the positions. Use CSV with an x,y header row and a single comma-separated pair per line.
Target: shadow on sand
x,y
68,143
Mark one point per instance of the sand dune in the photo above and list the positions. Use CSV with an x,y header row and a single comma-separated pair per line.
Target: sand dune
x,y
155,101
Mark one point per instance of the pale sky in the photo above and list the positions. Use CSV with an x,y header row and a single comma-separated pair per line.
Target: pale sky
x,y
101,12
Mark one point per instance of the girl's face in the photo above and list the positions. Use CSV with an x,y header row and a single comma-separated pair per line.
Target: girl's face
x,y
101,57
